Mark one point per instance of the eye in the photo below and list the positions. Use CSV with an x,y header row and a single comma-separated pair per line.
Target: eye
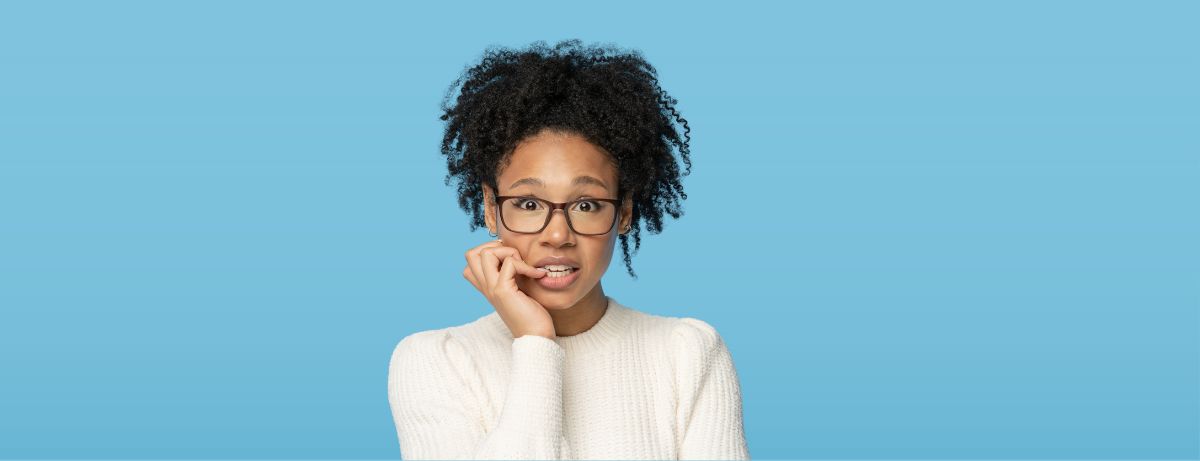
x,y
589,206
527,204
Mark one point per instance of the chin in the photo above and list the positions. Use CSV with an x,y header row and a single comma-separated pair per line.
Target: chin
x,y
554,300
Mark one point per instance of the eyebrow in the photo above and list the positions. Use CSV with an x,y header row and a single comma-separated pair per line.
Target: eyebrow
x,y
585,179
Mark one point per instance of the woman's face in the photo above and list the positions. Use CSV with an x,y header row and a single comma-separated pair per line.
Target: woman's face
x,y
548,166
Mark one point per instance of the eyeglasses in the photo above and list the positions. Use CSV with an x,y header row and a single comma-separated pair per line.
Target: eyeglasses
x,y
529,215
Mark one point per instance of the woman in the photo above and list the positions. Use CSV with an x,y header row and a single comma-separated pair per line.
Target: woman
x,y
559,152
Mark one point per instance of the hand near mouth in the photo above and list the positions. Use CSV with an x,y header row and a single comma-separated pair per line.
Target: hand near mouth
x,y
492,268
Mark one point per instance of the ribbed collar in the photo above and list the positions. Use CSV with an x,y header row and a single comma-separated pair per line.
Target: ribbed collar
x,y
612,325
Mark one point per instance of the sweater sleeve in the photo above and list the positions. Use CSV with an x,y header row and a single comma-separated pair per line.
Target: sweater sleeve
x,y
434,407
710,396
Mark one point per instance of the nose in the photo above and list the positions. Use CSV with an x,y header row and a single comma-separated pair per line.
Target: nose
x,y
557,232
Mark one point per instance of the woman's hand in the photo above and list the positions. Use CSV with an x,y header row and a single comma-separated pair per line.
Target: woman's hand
x,y
492,268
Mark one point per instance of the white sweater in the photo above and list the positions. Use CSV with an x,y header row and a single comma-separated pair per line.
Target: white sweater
x,y
634,386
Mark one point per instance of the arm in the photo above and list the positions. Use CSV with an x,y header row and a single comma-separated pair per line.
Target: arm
x,y
434,408
710,395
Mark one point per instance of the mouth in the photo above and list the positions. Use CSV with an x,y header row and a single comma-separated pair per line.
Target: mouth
x,y
556,263
558,276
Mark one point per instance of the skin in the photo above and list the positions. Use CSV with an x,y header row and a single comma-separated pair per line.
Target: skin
x,y
502,270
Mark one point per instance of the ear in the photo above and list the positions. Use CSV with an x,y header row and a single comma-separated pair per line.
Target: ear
x,y
626,213
489,209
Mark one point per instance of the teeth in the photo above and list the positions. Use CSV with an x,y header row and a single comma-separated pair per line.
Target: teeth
x,y
556,267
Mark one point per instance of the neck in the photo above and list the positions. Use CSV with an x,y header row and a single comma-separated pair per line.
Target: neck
x,y
581,316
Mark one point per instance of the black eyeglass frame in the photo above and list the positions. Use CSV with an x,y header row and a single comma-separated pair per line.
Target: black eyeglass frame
x,y
558,206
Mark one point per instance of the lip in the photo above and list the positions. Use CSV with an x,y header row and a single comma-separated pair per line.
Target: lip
x,y
560,260
558,283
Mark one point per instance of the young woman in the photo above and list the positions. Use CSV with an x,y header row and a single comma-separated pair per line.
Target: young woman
x,y
560,152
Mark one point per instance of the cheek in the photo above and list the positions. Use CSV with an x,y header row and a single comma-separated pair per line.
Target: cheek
x,y
601,259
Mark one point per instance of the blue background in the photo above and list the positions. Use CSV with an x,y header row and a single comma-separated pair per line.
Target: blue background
x,y
925,229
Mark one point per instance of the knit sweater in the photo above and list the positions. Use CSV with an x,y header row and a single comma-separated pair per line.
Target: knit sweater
x,y
633,386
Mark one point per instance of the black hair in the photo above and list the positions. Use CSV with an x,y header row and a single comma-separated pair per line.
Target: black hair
x,y
609,96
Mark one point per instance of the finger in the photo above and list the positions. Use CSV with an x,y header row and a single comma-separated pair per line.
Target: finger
x,y
521,267
484,267
475,262
488,244
502,252
467,274
525,269
473,271
474,267
484,246
490,266
507,269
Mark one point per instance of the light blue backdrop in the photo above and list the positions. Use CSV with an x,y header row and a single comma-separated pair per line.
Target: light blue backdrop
x,y
925,229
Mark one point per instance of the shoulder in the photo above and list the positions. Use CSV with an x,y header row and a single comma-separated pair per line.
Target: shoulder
x,y
690,344
681,336
695,337
699,355
450,343
427,354
427,366
426,374
427,344
419,353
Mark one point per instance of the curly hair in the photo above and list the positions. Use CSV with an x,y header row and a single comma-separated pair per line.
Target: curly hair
x,y
608,96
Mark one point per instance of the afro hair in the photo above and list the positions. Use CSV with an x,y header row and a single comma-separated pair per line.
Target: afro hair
x,y
608,96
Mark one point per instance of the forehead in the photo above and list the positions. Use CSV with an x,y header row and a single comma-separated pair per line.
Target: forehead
x,y
557,160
